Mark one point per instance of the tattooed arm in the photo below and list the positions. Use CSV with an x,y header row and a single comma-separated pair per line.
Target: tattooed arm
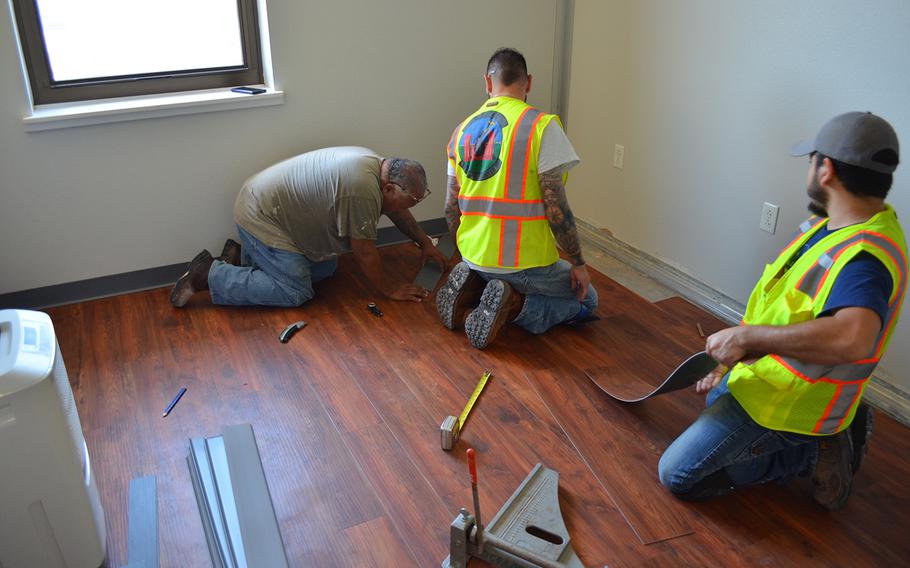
x,y
453,211
562,223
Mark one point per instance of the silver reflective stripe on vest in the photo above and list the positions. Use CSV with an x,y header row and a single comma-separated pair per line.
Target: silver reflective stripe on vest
x,y
813,278
518,157
843,372
807,224
509,242
844,398
491,208
853,375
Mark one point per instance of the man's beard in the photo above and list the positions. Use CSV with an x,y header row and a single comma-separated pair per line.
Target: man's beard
x,y
818,199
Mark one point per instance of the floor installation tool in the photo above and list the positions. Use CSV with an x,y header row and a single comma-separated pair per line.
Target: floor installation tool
x,y
429,274
686,375
451,427
290,330
527,532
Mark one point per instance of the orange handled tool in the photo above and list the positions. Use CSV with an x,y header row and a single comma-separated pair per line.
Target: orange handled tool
x,y
472,468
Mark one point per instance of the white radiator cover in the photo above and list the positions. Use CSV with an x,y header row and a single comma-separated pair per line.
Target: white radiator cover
x,y
50,512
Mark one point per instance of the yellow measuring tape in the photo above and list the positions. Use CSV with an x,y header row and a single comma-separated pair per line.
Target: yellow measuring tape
x,y
463,417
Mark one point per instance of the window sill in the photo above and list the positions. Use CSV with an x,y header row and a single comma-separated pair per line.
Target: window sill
x,y
69,115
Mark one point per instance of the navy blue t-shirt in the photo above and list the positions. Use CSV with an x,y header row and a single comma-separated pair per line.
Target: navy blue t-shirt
x,y
864,282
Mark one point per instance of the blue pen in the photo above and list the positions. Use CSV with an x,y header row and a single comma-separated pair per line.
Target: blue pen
x,y
173,403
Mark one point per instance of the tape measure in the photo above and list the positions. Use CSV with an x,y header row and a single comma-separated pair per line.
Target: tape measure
x,y
451,427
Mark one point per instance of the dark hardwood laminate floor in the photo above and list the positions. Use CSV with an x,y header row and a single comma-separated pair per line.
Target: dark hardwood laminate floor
x,y
347,418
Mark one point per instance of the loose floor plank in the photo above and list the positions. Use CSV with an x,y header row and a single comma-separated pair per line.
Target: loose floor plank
x,y
618,459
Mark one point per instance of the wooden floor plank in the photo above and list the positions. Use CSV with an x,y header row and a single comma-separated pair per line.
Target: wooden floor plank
x,y
409,498
617,460
376,544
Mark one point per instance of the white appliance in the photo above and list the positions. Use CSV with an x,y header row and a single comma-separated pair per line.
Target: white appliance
x,y
50,513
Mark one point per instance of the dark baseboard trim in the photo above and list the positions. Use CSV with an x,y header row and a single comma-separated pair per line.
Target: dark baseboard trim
x,y
137,280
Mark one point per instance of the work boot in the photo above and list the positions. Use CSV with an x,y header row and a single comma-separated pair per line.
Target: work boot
x,y
499,304
458,296
231,252
860,433
833,477
195,279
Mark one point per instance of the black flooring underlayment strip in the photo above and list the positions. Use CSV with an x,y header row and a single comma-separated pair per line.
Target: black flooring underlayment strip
x,y
142,537
258,524
429,274
126,282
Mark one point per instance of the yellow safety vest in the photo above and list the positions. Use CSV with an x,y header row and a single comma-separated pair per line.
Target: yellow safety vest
x,y
494,155
783,393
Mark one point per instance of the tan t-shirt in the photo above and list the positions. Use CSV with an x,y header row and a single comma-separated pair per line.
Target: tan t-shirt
x,y
314,203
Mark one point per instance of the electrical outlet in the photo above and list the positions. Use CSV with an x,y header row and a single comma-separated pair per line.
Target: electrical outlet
x,y
619,153
768,221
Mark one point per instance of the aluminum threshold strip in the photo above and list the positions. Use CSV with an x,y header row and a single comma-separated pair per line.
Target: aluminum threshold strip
x,y
234,501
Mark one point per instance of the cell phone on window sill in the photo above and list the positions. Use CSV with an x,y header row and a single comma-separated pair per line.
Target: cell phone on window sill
x,y
248,90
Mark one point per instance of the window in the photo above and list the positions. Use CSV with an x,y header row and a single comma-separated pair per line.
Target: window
x,y
78,50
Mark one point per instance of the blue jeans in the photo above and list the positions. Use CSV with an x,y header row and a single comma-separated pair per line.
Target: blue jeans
x,y
267,276
725,448
549,297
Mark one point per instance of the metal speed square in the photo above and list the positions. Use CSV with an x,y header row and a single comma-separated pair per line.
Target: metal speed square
x,y
527,532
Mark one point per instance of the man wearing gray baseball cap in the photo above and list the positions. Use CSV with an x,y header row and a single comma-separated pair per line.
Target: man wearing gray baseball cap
x,y
785,400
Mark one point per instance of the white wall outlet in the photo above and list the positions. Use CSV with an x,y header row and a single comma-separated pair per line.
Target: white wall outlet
x,y
768,221
619,153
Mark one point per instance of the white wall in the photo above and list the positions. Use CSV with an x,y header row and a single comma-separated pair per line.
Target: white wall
x,y
394,75
707,96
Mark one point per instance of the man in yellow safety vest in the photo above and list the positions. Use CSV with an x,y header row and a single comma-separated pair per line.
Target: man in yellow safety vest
x,y
815,327
506,209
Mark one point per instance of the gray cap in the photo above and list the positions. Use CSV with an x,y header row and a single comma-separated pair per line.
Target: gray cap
x,y
855,138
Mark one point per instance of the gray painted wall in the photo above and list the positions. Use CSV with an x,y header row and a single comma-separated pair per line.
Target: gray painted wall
x,y
394,75
707,96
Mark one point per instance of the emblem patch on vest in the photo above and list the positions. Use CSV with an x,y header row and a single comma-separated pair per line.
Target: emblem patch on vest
x,y
480,145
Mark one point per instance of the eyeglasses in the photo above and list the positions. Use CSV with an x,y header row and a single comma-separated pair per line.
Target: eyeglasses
x,y
416,200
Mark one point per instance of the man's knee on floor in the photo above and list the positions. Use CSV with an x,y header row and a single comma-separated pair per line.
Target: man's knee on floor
x,y
680,482
672,476
591,300
292,297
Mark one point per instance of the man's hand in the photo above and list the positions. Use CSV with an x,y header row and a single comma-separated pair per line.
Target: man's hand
x,y
580,281
727,346
429,251
711,379
408,293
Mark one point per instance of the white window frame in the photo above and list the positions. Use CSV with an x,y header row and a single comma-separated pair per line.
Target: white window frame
x,y
170,96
